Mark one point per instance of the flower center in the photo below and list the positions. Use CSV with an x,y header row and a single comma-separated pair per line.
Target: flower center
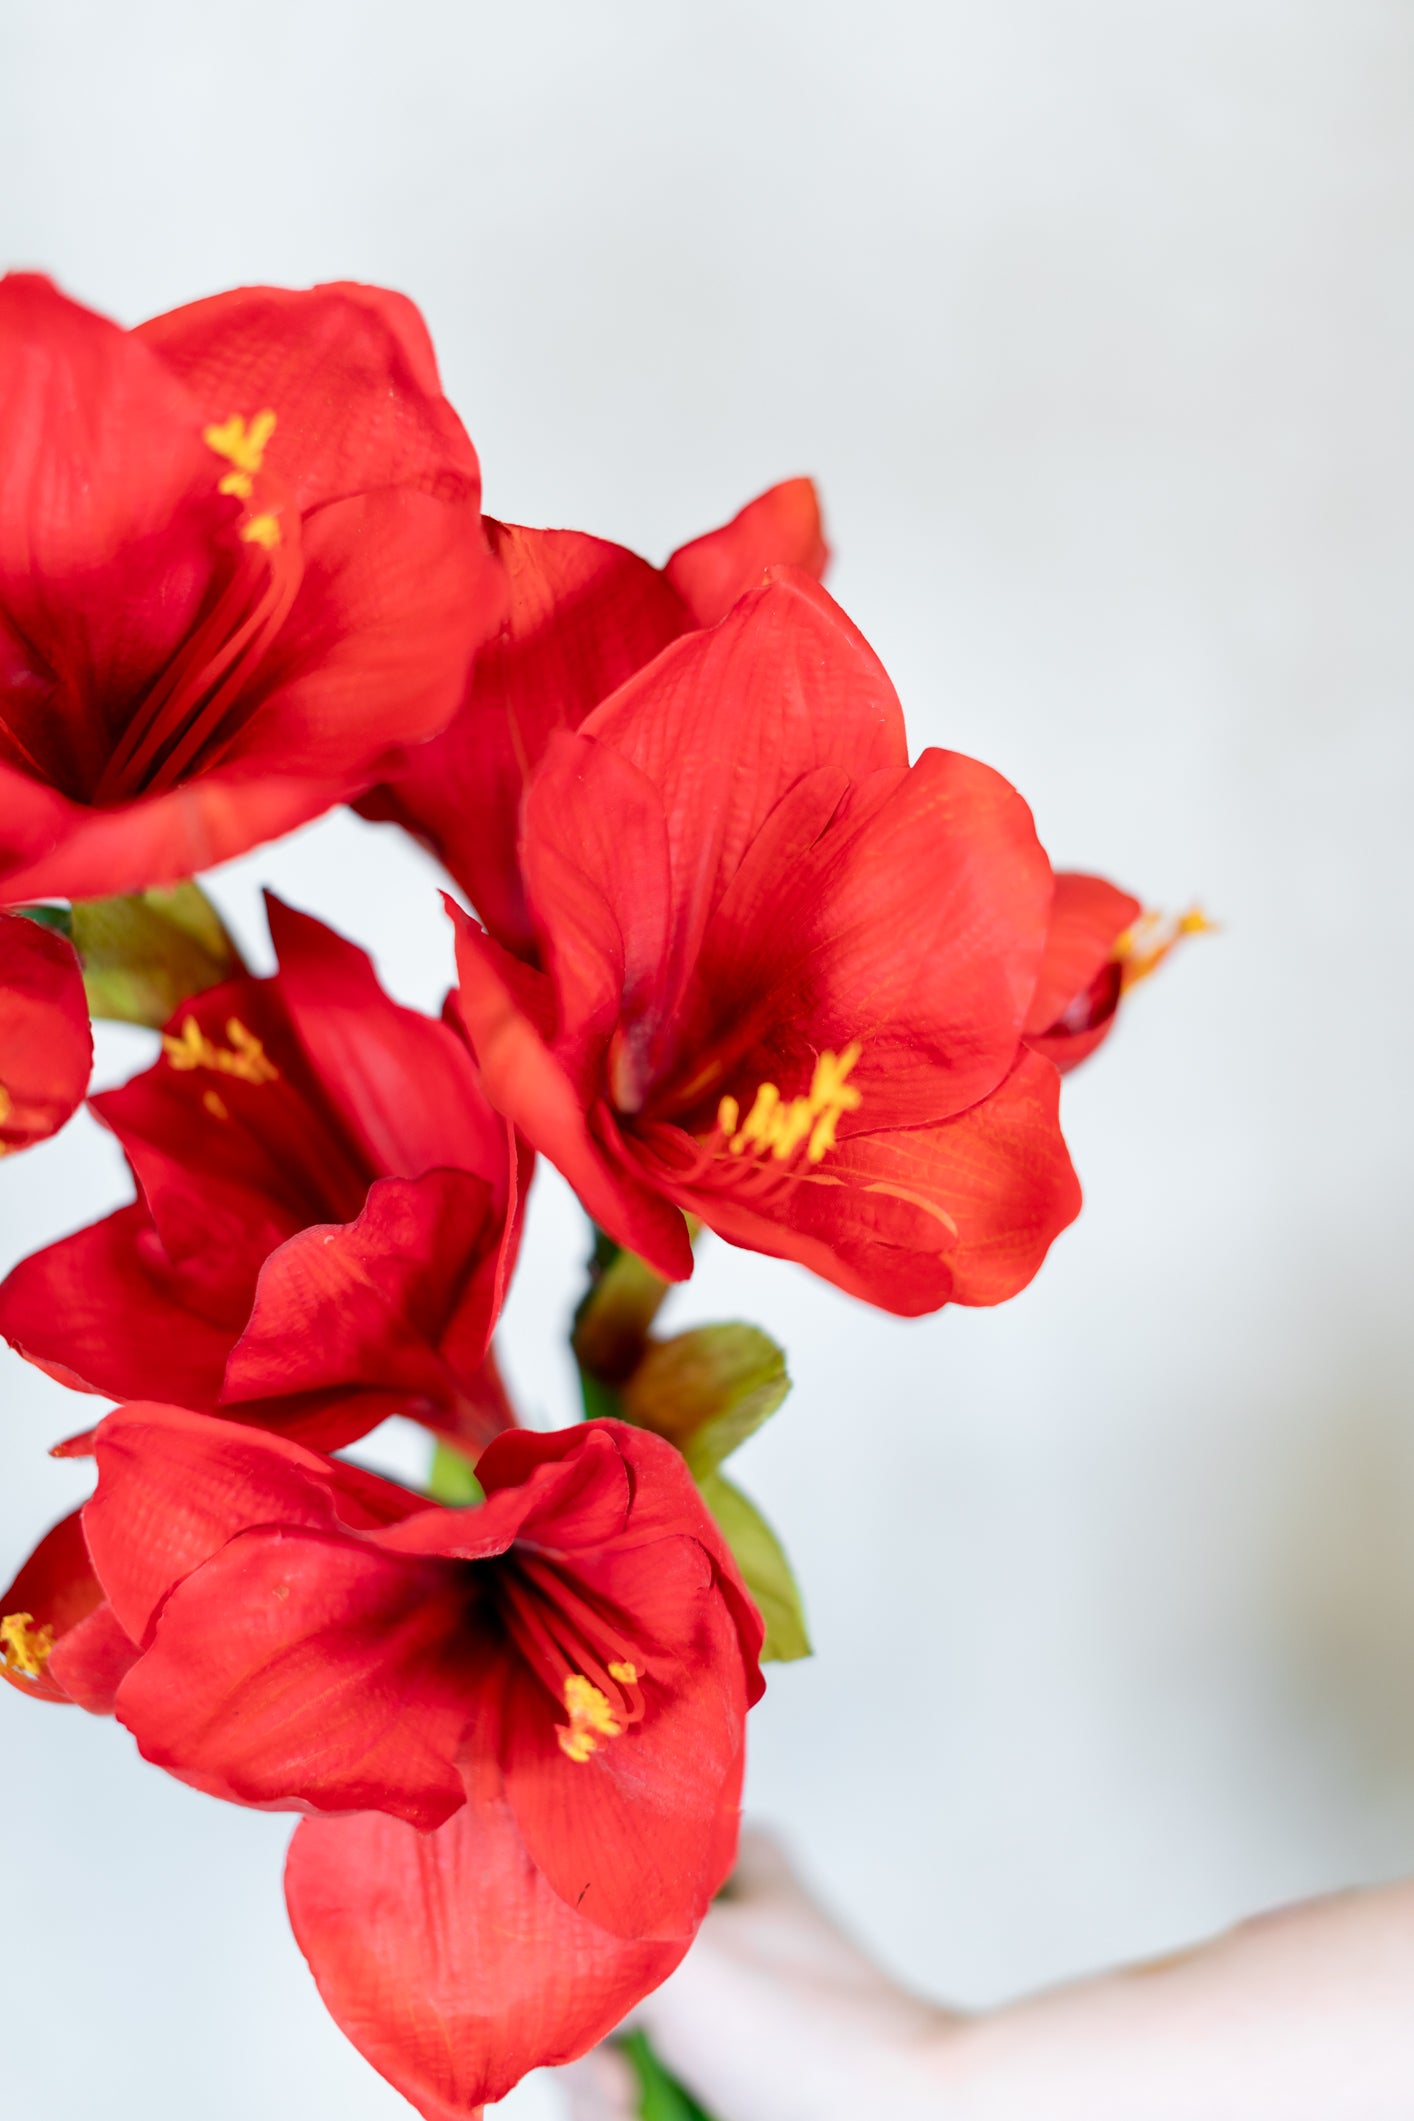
x,y
194,706
25,1648
777,1126
586,1665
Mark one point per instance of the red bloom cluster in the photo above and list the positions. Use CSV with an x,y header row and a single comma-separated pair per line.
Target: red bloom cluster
x,y
737,960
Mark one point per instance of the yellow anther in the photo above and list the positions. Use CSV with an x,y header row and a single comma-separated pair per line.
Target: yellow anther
x,y
245,1057
778,1126
261,530
25,1647
242,446
626,1674
590,1718
1143,947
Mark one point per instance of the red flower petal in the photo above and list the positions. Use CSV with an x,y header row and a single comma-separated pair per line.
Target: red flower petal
x,y
397,592
447,1959
963,1212
350,372
59,1600
780,528
584,615
526,1083
174,1487
724,722
370,1302
293,1670
96,1311
1079,986
628,1836
46,1046
403,1084
107,514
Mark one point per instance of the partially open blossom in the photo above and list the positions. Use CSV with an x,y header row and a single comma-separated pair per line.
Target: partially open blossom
x,y
241,563
787,973
46,1046
583,616
1100,944
327,1213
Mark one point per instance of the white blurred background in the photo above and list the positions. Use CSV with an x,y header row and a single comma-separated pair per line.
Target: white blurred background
x,y
1094,319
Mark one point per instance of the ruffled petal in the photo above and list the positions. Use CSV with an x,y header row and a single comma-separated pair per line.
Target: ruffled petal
x,y
175,1487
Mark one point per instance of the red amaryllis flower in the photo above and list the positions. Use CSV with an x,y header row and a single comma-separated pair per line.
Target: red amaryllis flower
x,y
787,973
544,1696
1100,945
328,1211
584,615
46,1046
241,562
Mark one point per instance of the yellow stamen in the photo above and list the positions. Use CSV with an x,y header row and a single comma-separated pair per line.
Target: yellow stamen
x,y
626,1674
245,1057
590,1717
261,530
1143,947
242,446
778,1126
25,1647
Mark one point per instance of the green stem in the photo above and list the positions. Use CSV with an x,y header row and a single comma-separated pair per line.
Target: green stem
x,y
660,2096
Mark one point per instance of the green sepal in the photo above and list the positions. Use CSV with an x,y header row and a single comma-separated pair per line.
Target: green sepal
x,y
660,2097
452,1479
622,1301
144,955
707,1390
59,918
766,1572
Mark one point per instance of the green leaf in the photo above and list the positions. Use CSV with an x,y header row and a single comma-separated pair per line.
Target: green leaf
x,y
761,1559
660,2097
706,1391
453,1477
144,955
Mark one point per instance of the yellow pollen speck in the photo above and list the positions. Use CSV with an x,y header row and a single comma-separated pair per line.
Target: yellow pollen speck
x,y
261,530
626,1674
591,1719
245,1057
1142,948
215,1104
25,1647
778,1126
243,447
